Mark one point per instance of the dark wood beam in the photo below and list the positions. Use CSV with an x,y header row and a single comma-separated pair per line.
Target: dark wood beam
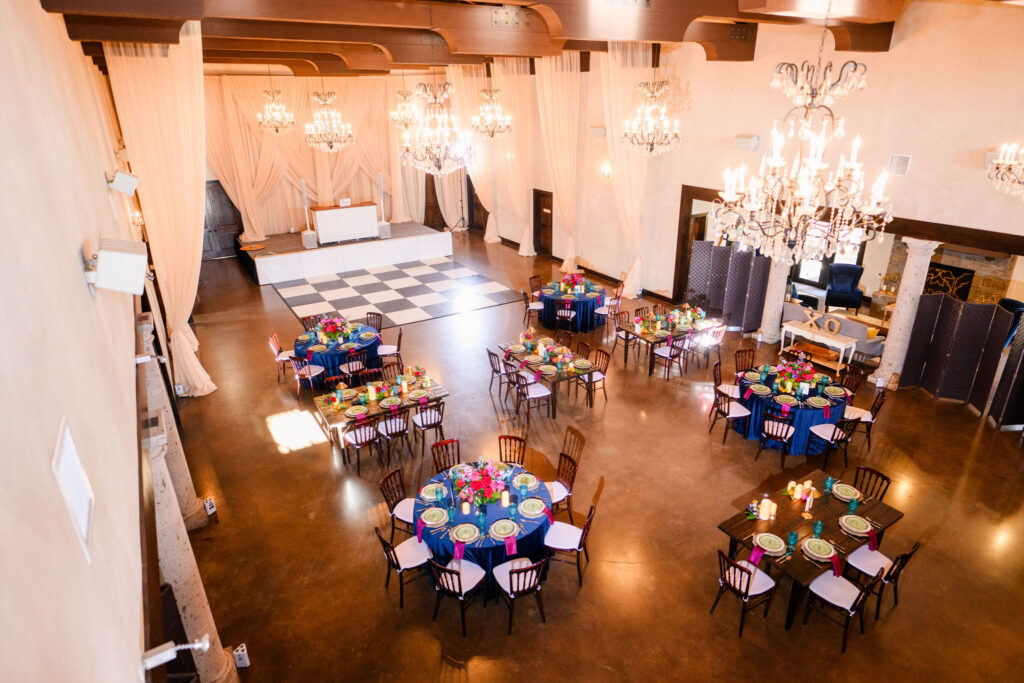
x,y
137,9
956,235
724,42
327,65
357,56
298,67
123,30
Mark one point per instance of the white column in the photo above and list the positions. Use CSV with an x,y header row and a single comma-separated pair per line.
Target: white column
x,y
178,568
774,297
915,271
188,501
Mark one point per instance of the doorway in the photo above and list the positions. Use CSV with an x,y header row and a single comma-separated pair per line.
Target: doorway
x,y
221,223
477,213
432,217
542,221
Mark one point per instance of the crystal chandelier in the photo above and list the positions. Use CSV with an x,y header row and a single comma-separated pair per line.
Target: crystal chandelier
x,y
1007,172
651,132
405,115
491,121
435,145
796,208
327,133
275,118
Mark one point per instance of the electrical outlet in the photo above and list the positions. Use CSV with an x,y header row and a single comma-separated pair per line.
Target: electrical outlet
x,y
211,507
179,390
241,654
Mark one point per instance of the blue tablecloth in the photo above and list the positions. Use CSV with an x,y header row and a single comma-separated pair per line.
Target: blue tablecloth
x,y
583,306
334,356
489,553
804,417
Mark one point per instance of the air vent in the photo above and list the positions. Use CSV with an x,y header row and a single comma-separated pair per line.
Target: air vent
x,y
510,18
899,165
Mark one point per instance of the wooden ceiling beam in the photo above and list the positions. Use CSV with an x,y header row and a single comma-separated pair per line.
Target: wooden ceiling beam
x,y
724,42
357,56
136,9
326,64
298,67
122,29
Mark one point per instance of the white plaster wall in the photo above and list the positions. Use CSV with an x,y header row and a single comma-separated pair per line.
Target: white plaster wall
x,y
67,353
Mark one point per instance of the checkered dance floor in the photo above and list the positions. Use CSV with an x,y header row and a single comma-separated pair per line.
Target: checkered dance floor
x,y
405,293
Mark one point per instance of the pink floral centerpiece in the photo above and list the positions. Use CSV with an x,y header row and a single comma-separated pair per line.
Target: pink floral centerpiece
x,y
480,483
331,328
573,280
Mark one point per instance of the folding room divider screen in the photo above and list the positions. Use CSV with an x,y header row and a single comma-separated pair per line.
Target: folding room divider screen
x,y
731,281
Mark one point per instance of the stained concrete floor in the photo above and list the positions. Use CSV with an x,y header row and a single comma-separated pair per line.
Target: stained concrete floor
x,y
294,570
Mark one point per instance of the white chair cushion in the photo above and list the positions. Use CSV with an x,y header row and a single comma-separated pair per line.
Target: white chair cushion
x,y
501,573
360,435
663,351
285,355
853,413
566,314
737,411
835,589
392,425
470,573
759,581
595,376
310,371
622,334
868,561
824,431
411,553
730,390
429,416
557,491
787,432
386,350
537,390
404,510
562,536
536,306
531,376
536,295
601,310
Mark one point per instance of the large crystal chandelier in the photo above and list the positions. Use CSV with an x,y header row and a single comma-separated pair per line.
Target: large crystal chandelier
x,y
327,133
1007,172
491,121
275,118
435,144
405,115
795,207
651,132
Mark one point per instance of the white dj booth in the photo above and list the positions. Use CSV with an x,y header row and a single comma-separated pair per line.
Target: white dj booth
x,y
345,223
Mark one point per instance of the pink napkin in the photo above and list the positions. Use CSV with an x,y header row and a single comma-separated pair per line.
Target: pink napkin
x,y
872,539
837,567
309,356
379,338
508,352
551,516
522,364
536,376
423,401
748,393
669,340
755,555
394,409
361,418
419,530
510,545
828,412
785,409
460,548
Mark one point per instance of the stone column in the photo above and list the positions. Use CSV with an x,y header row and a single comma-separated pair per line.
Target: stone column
x,y
774,297
178,568
915,271
188,501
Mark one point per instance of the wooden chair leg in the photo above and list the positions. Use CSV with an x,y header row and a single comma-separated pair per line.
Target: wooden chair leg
x,y
721,591
511,612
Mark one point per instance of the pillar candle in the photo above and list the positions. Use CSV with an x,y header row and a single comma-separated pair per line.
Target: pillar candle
x,y
405,386
808,484
465,507
790,486
810,500
764,510
774,509
504,499
798,491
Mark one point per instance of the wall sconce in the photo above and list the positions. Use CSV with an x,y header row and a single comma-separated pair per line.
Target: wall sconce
x,y
606,170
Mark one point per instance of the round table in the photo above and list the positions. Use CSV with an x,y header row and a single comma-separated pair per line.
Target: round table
x,y
488,553
583,304
334,356
804,417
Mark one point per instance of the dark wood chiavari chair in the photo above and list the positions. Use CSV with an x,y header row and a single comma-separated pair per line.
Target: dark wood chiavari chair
x,y
641,312
414,554
531,308
777,426
573,442
677,353
310,322
535,287
730,390
280,355
511,449
568,539
375,320
595,380
305,372
835,595
751,585
446,455
371,375
530,392
869,562
400,506
851,377
832,436
458,580
353,366
867,417
871,483
560,489
659,309
497,372
728,409
516,579
624,319
392,427
357,435
512,369
565,317
583,349
391,373
744,360
389,353
563,338
429,417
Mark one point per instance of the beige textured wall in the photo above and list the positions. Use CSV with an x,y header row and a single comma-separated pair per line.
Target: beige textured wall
x,y
66,353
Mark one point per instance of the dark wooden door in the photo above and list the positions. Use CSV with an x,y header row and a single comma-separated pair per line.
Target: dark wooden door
x,y
432,216
542,221
222,223
477,213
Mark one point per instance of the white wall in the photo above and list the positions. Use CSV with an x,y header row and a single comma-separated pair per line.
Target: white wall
x,y
66,353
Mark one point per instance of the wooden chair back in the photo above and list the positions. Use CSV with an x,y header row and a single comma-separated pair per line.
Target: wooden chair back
x,y
586,526
392,487
844,430
310,322
275,345
363,432
445,454
879,401
583,349
567,468
511,449
371,375
722,402
524,580
776,425
871,483
391,372
733,576
659,309
389,551
431,414
495,362
601,360
573,442
716,372
641,312
375,320
396,423
563,338
744,359
623,318
865,592
900,563
535,285
852,377
448,581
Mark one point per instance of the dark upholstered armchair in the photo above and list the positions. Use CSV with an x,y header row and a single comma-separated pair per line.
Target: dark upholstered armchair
x,y
843,279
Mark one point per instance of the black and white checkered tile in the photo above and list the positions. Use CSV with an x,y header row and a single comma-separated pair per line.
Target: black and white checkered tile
x,y
405,293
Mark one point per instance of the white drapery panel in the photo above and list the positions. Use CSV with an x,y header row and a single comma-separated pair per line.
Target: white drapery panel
x,y
624,66
467,82
515,162
158,92
399,207
414,190
450,189
274,206
558,104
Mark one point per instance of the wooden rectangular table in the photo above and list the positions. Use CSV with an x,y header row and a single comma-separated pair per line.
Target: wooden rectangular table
x,y
553,381
789,517
336,420
653,341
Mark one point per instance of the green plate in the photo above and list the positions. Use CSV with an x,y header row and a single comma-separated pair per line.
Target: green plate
x,y
348,394
548,291
545,341
356,411
304,337
661,334
525,478
855,525
502,529
465,532
760,389
348,345
368,335
390,401
429,492
817,402
548,369
844,492
532,507
317,348
593,295
434,516
568,297
418,393
818,549
770,543
786,400
517,348
752,376
534,359
582,364
833,390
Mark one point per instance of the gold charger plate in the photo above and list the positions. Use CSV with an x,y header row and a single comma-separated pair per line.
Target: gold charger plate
x,y
465,533
526,478
390,401
355,411
532,508
317,348
419,393
368,335
348,345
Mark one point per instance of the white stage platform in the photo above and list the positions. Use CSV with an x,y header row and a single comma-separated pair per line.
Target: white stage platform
x,y
285,258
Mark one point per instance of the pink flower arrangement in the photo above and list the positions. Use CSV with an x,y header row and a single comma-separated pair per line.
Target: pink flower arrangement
x,y
480,482
797,371
573,279
332,328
